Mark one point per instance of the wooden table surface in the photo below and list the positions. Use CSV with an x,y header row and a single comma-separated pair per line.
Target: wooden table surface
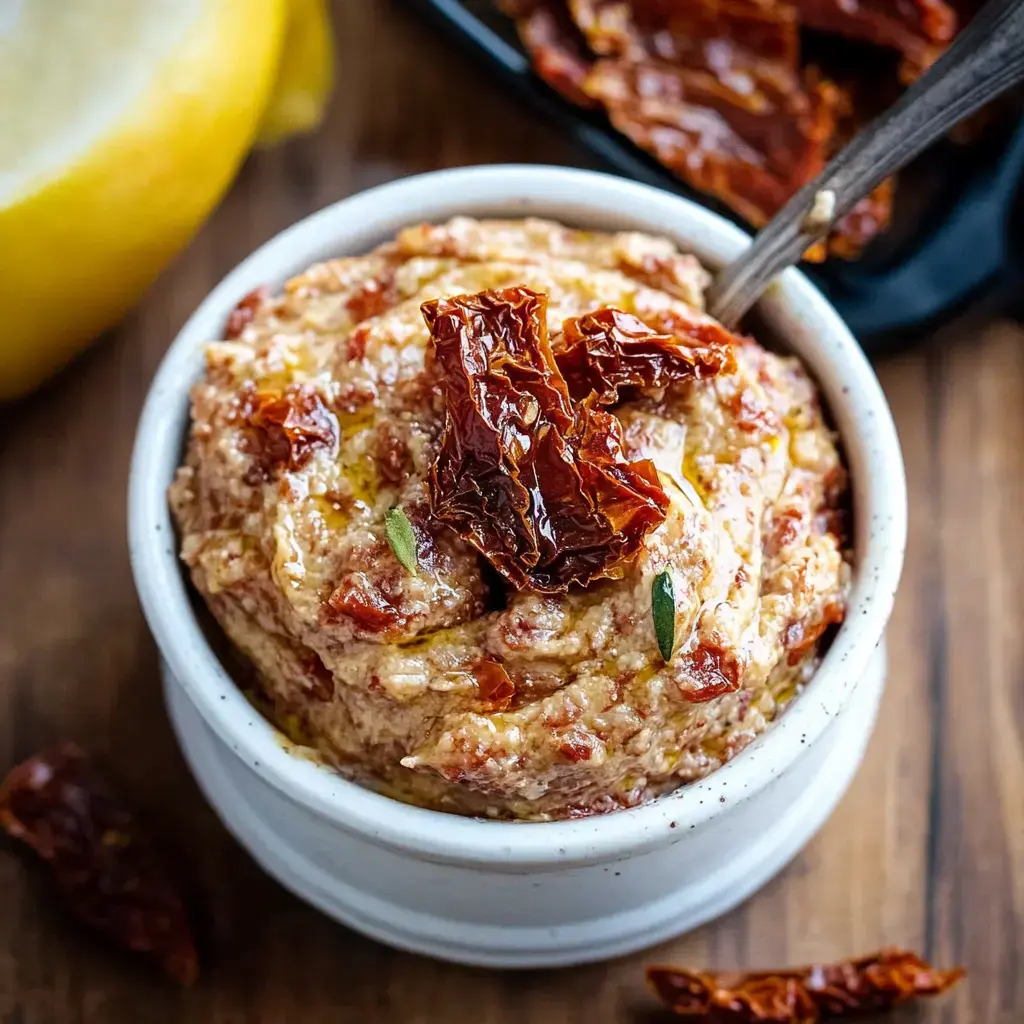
x,y
926,850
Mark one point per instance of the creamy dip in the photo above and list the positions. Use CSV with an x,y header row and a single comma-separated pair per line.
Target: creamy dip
x,y
322,412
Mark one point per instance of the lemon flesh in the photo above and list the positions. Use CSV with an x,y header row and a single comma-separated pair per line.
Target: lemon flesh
x,y
121,124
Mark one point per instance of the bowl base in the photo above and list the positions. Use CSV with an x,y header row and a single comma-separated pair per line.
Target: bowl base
x,y
524,945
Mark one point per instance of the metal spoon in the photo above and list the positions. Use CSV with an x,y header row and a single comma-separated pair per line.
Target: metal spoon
x,y
984,61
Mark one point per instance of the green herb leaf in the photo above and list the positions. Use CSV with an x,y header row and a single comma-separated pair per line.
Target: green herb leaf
x,y
401,538
663,605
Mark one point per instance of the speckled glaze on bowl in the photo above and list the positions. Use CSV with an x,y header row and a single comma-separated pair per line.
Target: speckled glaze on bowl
x,y
509,894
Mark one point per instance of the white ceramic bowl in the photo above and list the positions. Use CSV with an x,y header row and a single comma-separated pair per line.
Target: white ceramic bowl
x,y
508,894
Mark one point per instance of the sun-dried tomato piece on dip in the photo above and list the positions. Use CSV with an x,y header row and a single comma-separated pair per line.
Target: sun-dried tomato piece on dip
x,y
540,487
608,349
110,873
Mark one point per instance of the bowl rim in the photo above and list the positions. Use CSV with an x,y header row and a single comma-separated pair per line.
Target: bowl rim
x,y
353,225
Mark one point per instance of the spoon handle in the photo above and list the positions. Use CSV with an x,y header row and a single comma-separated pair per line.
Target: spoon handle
x,y
984,60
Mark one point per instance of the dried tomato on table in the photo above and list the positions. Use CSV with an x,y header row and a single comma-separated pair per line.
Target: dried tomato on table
x,y
803,995
541,487
108,870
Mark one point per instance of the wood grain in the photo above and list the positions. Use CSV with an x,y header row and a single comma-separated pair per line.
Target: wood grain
x,y
926,850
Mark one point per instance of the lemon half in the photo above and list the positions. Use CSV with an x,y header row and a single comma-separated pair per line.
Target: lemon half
x,y
121,124
304,76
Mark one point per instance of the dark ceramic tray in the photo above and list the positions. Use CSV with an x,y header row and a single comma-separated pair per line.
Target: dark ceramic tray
x,y
957,208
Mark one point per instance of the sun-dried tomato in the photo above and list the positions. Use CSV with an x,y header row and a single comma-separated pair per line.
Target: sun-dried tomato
x,y
372,297
394,460
919,29
493,684
752,414
555,45
736,60
707,333
709,671
803,995
372,602
800,636
715,89
541,488
110,873
576,745
608,349
784,530
718,35
607,26
244,312
355,344
286,427
752,148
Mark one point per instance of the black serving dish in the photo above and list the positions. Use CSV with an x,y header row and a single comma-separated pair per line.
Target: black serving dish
x,y
957,208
